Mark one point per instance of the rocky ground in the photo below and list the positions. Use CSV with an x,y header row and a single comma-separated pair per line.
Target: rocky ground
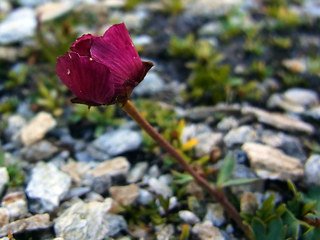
x,y
70,173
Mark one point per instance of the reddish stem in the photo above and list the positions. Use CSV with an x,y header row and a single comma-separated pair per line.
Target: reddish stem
x,y
129,108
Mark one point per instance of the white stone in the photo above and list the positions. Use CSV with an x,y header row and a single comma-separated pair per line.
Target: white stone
x,y
52,10
312,170
18,25
160,188
188,217
37,128
4,178
272,163
47,186
205,231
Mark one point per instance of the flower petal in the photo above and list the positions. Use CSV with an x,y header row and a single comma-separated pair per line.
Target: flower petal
x,y
82,45
116,50
89,80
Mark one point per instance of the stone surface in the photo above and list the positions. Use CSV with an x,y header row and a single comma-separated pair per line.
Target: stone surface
x,y
248,203
288,144
36,129
295,65
17,205
46,187
160,188
53,10
145,197
278,120
117,142
240,135
206,231
164,232
100,177
4,216
215,214
137,172
300,96
272,163
4,178
15,123
152,84
91,220
11,30
125,195
39,151
228,123
312,170
36,222
188,217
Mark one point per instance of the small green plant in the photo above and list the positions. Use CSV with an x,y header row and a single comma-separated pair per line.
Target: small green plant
x,y
259,70
16,177
17,77
295,219
172,6
100,117
182,48
281,42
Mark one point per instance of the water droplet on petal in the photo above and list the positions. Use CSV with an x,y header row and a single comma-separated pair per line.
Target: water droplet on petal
x,y
70,56
68,72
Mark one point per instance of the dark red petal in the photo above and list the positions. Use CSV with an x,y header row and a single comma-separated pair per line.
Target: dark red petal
x,y
116,50
89,80
82,45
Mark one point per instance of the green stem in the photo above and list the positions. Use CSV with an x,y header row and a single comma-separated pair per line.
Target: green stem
x,y
129,108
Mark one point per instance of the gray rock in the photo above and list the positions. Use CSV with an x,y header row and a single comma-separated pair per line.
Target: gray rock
x,y
188,217
215,214
160,188
145,197
100,177
211,28
4,178
277,101
36,222
312,8
164,232
300,96
272,163
39,151
17,205
278,120
118,142
15,123
37,128
206,231
289,144
4,216
248,203
313,112
5,7
52,10
11,30
296,65
240,135
142,40
137,172
91,220
32,3
46,187
227,123
312,169
125,195
151,84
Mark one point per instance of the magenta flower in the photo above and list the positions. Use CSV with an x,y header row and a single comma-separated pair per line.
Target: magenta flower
x,y
102,70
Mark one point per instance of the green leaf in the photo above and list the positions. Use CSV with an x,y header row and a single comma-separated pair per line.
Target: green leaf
x,y
313,234
181,178
259,228
293,226
239,181
226,170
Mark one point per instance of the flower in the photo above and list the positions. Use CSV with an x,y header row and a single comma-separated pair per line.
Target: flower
x,y
102,70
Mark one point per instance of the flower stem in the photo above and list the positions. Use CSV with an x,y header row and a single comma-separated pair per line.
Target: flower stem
x,y
129,108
